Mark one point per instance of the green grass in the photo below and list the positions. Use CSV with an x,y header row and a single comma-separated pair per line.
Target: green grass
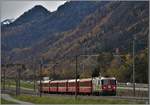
x,y
7,102
69,100
10,83
27,85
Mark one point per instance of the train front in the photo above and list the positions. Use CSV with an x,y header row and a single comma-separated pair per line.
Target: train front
x,y
108,86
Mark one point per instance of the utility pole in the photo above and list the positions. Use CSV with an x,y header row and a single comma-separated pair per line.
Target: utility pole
x,y
18,82
148,102
134,65
34,79
4,77
149,65
34,74
41,64
19,76
76,75
54,71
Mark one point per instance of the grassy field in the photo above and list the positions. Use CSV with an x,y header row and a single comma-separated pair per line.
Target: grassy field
x,y
10,83
70,100
7,102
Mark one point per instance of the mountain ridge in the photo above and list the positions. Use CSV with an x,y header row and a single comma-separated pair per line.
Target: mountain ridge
x,y
50,25
36,13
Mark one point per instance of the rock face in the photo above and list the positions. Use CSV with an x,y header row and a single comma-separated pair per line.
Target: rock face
x,y
76,27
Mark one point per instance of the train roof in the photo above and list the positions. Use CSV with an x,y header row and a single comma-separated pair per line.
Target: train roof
x,y
54,81
108,78
62,80
86,79
72,80
45,81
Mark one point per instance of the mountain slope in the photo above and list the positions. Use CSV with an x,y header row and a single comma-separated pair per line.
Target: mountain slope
x,y
79,27
37,24
116,23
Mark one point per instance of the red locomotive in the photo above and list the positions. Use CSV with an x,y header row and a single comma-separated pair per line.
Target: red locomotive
x,y
103,85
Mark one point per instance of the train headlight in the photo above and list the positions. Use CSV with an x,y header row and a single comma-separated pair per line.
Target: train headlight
x,y
114,87
104,87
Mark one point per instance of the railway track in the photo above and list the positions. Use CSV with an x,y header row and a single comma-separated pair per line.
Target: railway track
x,y
31,92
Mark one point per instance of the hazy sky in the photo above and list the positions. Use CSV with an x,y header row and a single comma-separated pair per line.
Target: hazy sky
x,y
13,9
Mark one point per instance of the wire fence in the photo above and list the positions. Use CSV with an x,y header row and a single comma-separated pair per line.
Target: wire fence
x,y
126,89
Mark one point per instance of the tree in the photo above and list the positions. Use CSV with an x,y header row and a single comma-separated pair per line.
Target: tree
x,y
104,60
141,67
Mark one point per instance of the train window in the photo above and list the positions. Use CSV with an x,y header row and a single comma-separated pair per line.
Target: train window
x,y
113,82
62,85
99,82
85,83
45,85
53,85
105,82
71,83
108,81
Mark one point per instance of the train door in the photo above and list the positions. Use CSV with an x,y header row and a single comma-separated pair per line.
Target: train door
x,y
96,85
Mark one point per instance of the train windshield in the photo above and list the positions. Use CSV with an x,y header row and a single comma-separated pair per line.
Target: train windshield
x,y
113,82
108,81
105,82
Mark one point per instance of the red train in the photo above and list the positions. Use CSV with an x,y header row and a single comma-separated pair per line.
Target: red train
x,y
103,85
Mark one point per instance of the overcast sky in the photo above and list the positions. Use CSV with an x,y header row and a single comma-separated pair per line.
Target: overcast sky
x,y
13,9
